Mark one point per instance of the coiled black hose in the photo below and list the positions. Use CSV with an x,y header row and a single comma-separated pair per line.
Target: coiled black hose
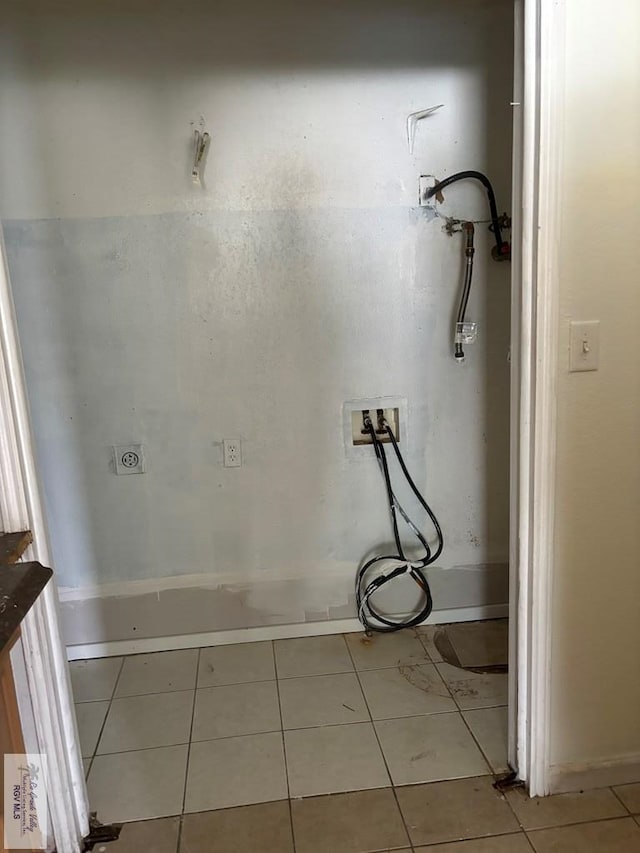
x,y
370,617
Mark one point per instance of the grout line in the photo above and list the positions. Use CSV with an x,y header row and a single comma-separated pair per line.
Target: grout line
x,y
179,837
154,693
236,683
483,708
384,757
276,674
497,704
295,729
149,748
106,717
118,677
286,767
284,748
424,643
314,675
477,743
564,823
91,701
557,826
186,769
289,678
620,800
513,811
528,840
186,772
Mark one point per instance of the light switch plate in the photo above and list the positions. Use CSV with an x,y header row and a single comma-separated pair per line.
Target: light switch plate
x,y
584,345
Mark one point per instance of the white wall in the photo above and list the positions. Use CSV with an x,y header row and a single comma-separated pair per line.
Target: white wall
x,y
300,277
596,629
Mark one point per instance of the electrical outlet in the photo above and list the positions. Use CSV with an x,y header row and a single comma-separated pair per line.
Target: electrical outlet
x,y
232,452
129,459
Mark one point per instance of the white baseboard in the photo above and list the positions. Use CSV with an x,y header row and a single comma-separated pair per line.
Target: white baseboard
x,y
268,632
564,778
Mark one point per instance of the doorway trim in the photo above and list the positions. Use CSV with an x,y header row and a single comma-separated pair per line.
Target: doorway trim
x,y
46,675
537,365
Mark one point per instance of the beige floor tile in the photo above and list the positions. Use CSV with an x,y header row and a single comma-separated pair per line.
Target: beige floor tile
x,y
158,672
236,771
539,812
236,664
90,717
322,700
496,844
405,691
262,828
92,680
474,690
426,634
455,810
429,749
630,796
312,656
480,643
138,785
333,759
402,648
490,728
159,836
142,722
236,709
348,823
607,836
86,764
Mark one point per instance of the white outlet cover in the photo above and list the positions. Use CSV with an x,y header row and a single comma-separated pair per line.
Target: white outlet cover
x,y
129,458
232,453
366,451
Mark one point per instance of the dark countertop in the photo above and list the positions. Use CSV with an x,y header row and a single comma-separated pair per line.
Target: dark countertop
x,y
13,546
20,585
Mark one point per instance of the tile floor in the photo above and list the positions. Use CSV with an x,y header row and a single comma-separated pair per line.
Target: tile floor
x,y
335,744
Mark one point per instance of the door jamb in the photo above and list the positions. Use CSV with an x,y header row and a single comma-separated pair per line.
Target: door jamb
x,y
536,412
45,663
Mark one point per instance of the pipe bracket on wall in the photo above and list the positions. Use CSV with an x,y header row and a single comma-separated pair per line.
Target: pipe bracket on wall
x,y
201,144
413,119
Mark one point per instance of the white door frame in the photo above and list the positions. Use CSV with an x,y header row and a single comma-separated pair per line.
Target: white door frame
x,y
51,712
536,333
534,350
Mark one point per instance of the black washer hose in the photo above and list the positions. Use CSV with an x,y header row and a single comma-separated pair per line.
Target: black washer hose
x,y
502,250
369,615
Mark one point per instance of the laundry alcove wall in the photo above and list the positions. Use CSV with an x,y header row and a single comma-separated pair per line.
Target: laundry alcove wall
x,y
300,276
